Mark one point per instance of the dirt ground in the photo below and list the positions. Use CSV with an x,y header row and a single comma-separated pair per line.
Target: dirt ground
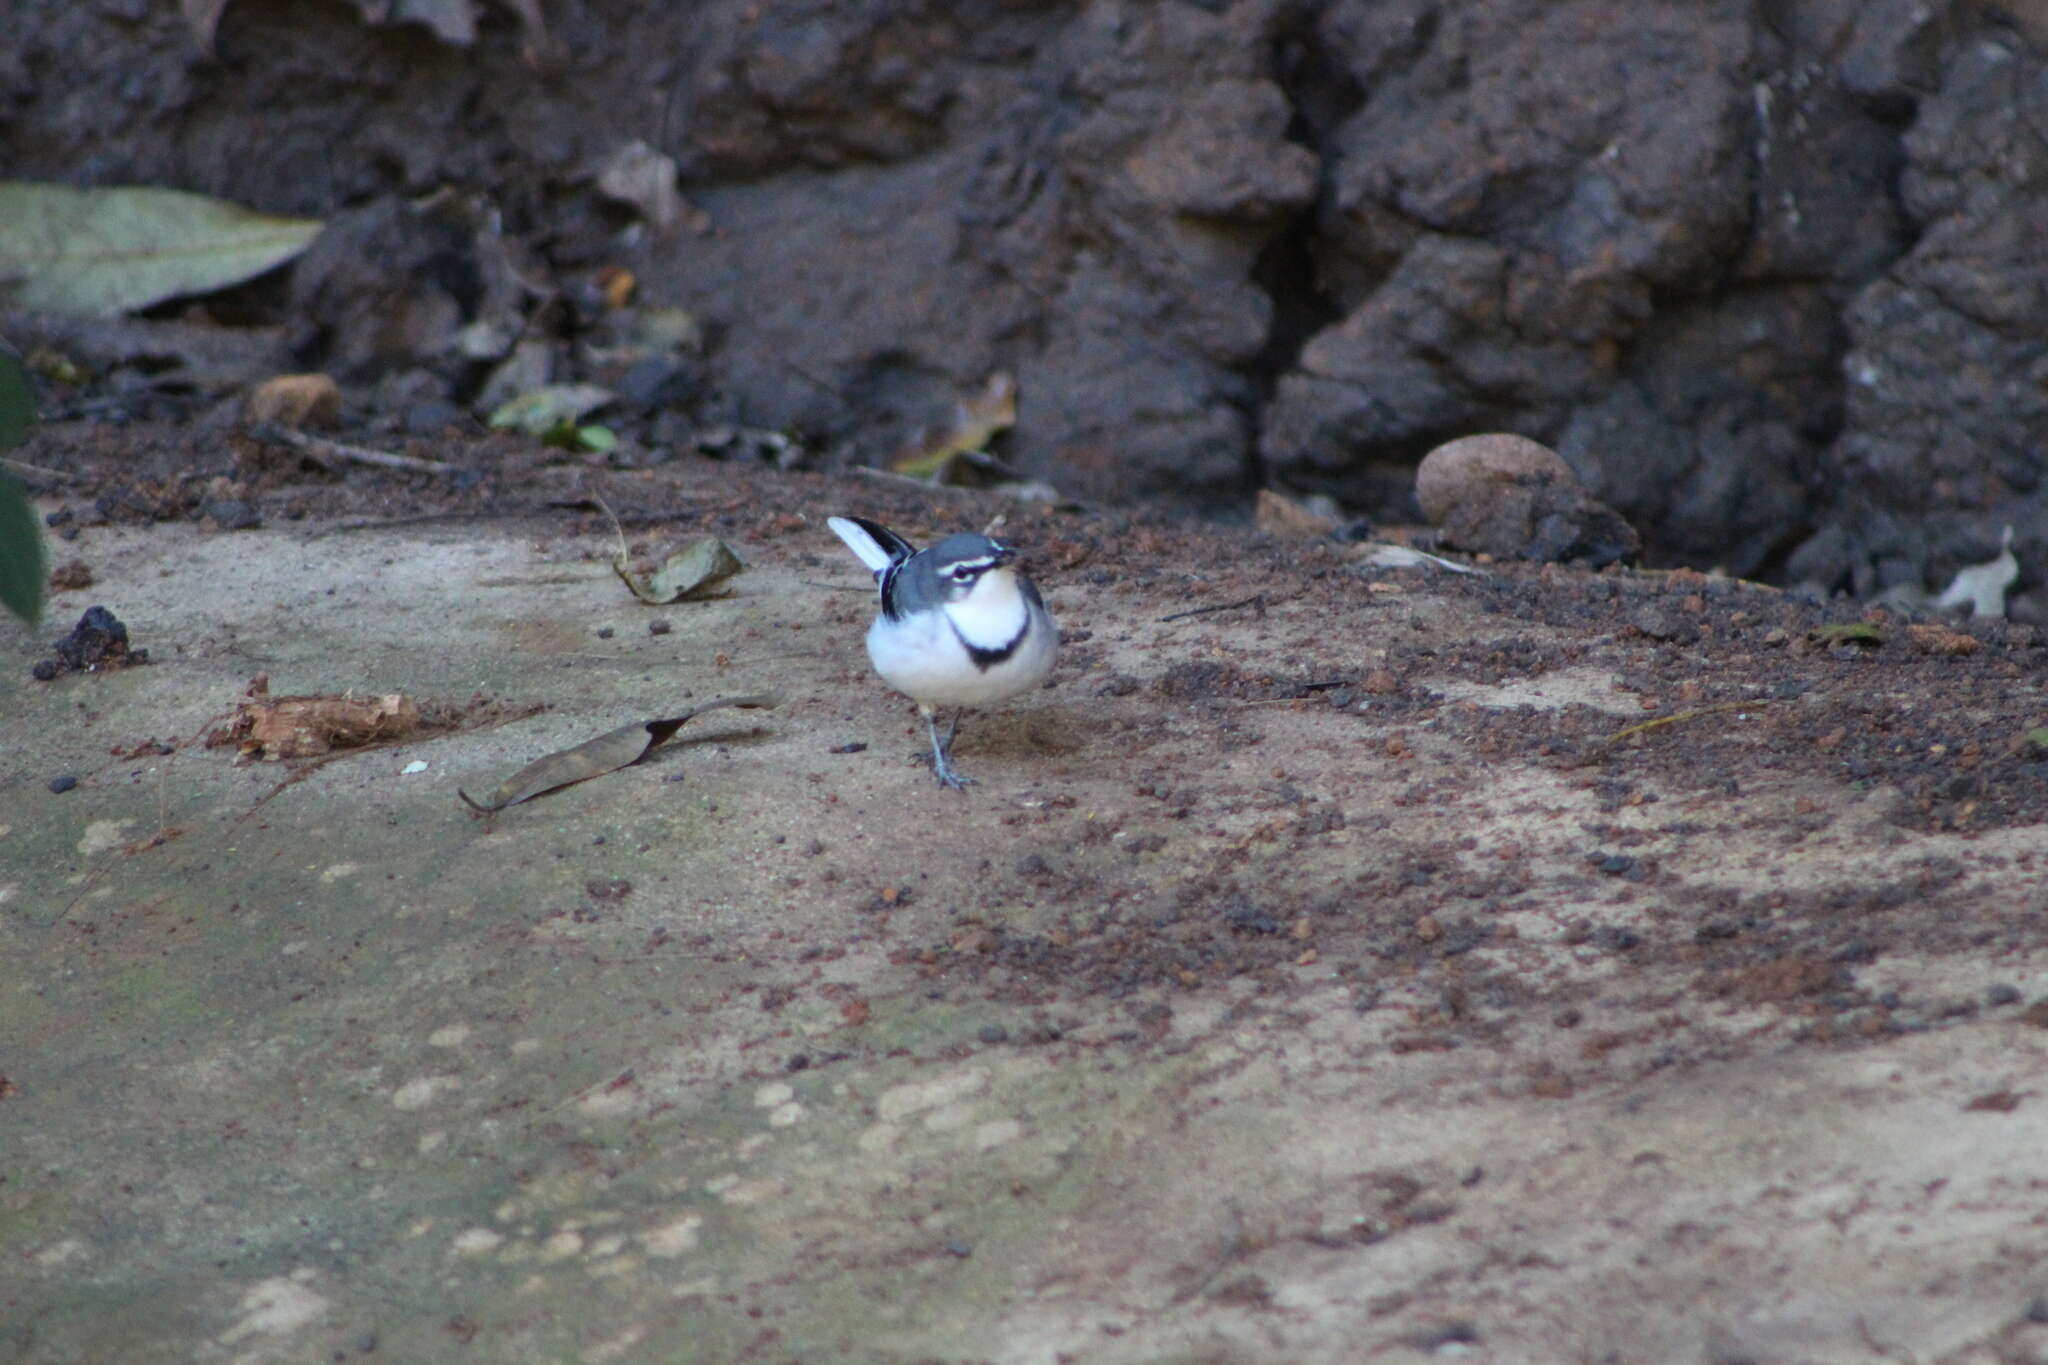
x,y
1334,962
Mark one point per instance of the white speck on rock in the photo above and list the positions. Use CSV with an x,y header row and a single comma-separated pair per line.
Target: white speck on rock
x,y
419,1093
562,1246
70,1249
431,1141
773,1094
526,1047
785,1115
273,1307
101,835
879,1138
950,1117
901,1101
454,1035
753,1192
674,1239
996,1132
475,1242
337,871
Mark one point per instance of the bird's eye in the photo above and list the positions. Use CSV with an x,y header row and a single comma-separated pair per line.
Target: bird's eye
x,y
963,574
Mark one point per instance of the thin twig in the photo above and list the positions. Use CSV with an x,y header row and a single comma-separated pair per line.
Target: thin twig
x,y
891,476
1601,747
1257,599
385,523
36,471
321,448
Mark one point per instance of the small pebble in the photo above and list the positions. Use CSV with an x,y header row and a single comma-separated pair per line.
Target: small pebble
x,y
60,785
659,626
605,632
993,1034
2002,994
961,1249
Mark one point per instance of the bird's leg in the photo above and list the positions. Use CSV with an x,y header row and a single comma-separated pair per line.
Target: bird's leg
x,y
942,767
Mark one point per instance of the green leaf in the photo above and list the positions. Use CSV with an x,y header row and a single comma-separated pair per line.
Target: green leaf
x,y
101,252
1848,633
24,573
17,400
540,411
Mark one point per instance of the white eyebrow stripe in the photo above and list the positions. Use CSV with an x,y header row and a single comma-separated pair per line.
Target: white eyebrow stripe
x,y
982,565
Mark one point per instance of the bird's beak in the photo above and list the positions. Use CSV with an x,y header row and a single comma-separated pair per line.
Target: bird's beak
x,y
1004,556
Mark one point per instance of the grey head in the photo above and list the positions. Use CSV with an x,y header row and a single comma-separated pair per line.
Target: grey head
x,y
941,573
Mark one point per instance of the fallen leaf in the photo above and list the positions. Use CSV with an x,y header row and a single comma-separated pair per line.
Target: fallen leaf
x,y
99,252
1934,638
645,180
538,411
1292,519
1983,586
276,728
609,752
203,17
688,575
1848,633
976,420
1385,556
296,401
452,21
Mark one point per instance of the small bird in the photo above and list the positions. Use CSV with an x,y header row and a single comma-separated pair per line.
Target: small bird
x,y
959,626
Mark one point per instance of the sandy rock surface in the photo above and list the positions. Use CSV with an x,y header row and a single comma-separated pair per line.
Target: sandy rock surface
x,y
1551,965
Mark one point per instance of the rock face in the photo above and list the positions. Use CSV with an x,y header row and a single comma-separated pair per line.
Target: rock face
x,y
1768,277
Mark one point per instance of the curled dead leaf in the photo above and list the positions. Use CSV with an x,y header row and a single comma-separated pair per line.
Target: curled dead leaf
x,y
689,575
275,728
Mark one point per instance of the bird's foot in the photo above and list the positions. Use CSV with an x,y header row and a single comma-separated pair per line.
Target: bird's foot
x,y
948,775
942,764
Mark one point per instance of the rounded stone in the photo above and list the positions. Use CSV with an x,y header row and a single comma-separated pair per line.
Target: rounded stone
x,y
1473,469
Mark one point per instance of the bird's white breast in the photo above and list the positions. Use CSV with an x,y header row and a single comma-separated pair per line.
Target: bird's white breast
x,y
921,657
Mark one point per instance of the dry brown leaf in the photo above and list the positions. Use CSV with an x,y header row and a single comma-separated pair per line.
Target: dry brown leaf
x,y
296,401
608,752
276,728
1935,638
1280,515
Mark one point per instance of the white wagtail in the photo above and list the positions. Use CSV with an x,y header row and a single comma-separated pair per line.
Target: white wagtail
x,y
959,626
